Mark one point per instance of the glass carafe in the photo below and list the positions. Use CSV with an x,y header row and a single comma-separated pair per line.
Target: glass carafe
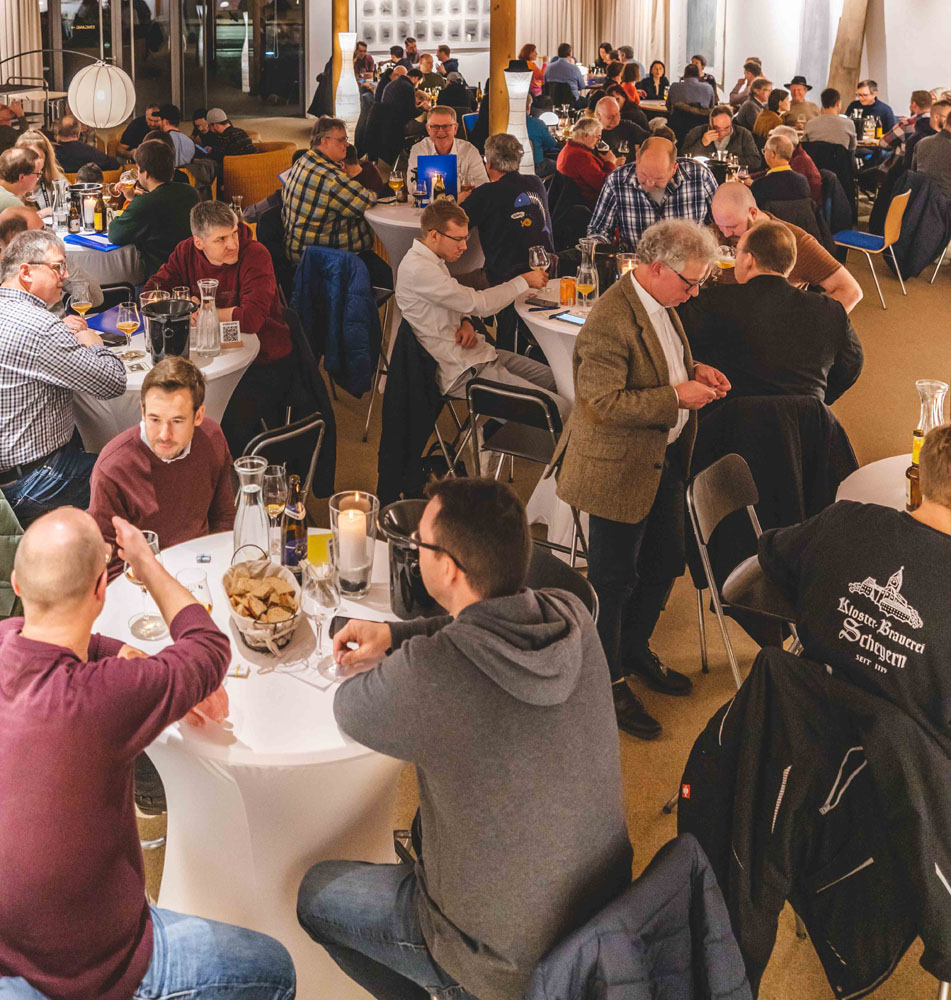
x,y
586,280
250,521
60,204
931,392
206,335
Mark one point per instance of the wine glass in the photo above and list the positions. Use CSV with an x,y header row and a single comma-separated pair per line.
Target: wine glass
x,y
146,625
623,147
79,300
154,295
743,174
319,600
181,292
586,284
195,581
538,259
128,321
275,497
397,181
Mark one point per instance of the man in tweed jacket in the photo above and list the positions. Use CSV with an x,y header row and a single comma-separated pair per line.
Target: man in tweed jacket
x,y
626,450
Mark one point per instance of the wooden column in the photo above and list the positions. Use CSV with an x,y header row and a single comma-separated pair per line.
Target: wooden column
x,y
501,50
846,62
341,22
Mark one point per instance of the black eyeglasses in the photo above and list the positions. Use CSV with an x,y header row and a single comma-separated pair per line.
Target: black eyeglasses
x,y
690,285
418,543
455,239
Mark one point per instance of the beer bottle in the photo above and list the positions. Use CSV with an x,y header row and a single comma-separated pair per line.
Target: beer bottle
x,y
878,127
294,534
73,222
99,215
439,187
912,481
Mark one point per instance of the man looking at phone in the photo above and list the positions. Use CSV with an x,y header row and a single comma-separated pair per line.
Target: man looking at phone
x,y
504,707
75,710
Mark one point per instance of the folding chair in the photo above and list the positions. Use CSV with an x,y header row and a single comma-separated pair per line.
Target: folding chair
x,y
269,443
469,121
869,243
531,431
384,298
937,268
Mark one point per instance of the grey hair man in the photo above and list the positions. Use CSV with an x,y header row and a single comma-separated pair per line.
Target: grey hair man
x,y
19,174
780,182
617,131
626,451
441,125
42,362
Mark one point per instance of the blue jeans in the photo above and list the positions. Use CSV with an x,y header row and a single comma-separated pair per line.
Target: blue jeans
x,y
62,482
201,960
365,916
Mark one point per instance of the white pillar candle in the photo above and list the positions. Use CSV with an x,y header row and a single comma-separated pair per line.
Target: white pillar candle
x,y
352,532
89,209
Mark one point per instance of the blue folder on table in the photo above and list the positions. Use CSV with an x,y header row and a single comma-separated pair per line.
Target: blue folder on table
x,y
427,166
104,322
91,241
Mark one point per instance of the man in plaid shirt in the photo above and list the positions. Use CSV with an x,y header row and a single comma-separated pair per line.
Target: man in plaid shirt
x,y
656,186
43,360
324,204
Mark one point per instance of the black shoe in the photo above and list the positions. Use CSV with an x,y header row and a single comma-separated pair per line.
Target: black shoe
x,y
149,790
658,677
632,716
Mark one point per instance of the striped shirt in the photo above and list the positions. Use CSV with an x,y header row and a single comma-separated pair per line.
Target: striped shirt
x,y
324,206
41,365
624,209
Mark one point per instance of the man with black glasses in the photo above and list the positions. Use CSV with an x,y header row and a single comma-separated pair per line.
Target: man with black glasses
x,y
42,362
504,707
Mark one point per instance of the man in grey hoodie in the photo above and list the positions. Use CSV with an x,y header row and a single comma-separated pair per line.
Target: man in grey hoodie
x,y
505,708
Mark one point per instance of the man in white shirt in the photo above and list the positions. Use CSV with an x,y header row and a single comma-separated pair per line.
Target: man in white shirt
x,y
437,307
442,125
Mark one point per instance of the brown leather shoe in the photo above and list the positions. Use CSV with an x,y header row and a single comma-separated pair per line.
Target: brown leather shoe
x,y
632,717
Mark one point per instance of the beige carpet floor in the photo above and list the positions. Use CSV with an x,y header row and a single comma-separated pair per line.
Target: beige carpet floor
x,y
908,341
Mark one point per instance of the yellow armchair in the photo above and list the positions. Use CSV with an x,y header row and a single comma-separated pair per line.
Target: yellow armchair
x,y
254,176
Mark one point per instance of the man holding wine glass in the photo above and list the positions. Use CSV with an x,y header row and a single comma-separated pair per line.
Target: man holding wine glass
x,y
76,710
172,473
42,362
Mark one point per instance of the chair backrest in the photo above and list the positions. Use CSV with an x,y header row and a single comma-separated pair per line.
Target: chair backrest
x,y
515,403
560,93
254,175
799,211
720,489
469,121
277,444
896,211
546,570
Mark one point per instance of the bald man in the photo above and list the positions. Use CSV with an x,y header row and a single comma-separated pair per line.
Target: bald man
x,y
75,710
735,211
655,187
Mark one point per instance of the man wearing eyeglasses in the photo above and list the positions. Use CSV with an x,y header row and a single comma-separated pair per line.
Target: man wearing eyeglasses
x,y
442,125
19,174
503,706
42,362
626,449
324,204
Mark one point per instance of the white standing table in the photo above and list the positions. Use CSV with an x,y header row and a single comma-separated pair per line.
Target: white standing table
x,y
254,802
397,225
555,337
881,482
100,420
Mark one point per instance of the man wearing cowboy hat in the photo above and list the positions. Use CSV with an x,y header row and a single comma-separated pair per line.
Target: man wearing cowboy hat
x,y
799,107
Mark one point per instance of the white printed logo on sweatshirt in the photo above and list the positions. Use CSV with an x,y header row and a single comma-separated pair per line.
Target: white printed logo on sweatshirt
x,y
888,599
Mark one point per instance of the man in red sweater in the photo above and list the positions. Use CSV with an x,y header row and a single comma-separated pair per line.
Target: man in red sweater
x,y
75,711
172,473
222,248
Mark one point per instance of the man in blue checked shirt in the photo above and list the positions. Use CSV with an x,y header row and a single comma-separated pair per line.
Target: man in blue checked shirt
x,y
42,362
656,186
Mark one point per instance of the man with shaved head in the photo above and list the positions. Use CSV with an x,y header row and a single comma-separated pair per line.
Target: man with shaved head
x,y
75,710
734,212
656,186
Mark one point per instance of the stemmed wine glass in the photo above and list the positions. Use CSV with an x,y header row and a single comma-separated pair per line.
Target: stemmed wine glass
x,y
79,299
397,181
275,497
538,259
319,600
127,322
146,625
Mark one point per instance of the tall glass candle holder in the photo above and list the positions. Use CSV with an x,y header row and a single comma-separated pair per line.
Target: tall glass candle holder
x,y
353,517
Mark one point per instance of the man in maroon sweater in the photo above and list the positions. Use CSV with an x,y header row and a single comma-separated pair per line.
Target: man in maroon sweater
x,y
75,710
172,473
222,248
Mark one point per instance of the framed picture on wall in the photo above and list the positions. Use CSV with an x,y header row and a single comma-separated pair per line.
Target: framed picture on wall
x,y
706,26
462,24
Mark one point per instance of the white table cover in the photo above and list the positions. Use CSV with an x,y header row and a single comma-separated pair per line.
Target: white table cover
x,y
397,225
555,337
253,803
881,482
110,267
100,420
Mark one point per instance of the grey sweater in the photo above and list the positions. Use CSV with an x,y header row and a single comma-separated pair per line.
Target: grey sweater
x,y
507,713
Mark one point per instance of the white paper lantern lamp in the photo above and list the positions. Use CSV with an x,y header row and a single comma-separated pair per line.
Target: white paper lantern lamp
x,y
101,95
517,84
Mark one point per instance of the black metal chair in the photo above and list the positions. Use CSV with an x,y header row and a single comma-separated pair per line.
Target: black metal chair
x,y
531,428
384,301
280,445
547,570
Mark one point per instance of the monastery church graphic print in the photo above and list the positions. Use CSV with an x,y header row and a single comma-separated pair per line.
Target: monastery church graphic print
x,y
888,599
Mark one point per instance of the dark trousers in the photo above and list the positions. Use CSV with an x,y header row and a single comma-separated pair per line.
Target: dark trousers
x,y
63,481
632,568
262,394
381,274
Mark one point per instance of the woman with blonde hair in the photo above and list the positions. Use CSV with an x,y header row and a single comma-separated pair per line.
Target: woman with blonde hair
x,y
50,171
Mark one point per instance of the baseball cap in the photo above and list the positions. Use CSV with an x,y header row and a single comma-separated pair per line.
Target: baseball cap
x,y
215,116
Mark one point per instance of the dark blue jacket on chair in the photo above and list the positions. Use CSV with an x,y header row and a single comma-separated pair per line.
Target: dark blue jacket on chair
x,y
667,936
335,300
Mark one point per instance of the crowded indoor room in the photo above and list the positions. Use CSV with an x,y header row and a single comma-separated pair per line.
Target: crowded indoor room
x,y
463,466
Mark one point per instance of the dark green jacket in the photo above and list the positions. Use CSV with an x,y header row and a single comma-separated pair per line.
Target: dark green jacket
x,y
156,222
